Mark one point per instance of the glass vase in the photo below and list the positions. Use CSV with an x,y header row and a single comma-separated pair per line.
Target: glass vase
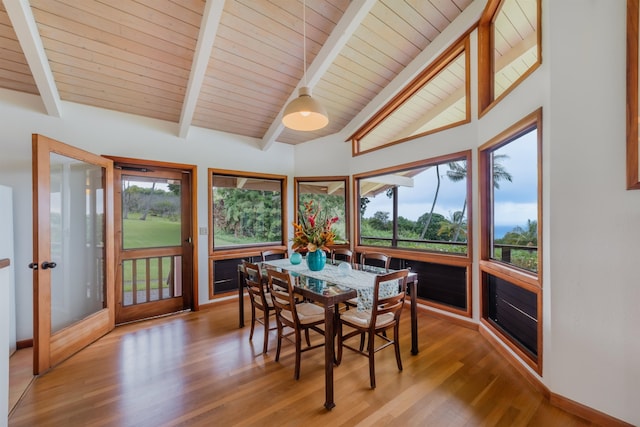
x,y
316,260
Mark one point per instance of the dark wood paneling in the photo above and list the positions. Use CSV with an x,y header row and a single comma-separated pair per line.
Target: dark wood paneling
x,y
225,274
513,310
442,284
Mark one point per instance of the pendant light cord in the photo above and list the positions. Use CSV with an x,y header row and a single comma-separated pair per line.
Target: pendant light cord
x,y
304,39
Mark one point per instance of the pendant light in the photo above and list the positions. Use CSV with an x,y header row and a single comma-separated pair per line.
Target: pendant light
x,y
305,113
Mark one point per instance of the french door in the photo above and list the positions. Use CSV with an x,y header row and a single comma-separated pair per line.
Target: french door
x,y
154,265
73,245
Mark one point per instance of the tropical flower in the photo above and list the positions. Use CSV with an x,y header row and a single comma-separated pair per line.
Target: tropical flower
x,y
313,231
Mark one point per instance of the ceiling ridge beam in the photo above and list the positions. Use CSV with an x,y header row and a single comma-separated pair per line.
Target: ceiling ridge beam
x,y
348,24
206,37
466,20
24,24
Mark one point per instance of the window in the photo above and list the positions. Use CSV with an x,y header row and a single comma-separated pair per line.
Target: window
x,y
512,196
509,47
422,206
437,99
247,209
332,194
510,200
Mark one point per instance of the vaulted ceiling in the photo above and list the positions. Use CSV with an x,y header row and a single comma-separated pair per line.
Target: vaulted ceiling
x,y
228,65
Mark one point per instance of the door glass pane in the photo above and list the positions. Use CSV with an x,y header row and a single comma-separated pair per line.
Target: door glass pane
x,y
77,244
151,212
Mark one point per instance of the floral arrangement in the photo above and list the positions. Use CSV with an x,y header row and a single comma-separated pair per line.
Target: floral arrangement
x,y
313,231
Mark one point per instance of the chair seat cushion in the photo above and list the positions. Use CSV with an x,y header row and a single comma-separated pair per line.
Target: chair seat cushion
x,y
307,313
363,318
352,301
267,297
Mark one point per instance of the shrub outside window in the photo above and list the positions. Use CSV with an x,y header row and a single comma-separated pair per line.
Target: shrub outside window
x,y
247,209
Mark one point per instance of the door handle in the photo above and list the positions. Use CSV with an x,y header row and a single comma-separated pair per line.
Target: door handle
x,y
33,265
48,264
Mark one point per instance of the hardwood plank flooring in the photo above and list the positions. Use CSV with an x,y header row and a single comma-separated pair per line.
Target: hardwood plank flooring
x,y
200,369
20,374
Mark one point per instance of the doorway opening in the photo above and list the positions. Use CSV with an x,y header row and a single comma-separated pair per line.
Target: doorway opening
x,y
154,205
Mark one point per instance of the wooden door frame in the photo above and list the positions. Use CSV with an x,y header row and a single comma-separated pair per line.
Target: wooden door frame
x,y
192,169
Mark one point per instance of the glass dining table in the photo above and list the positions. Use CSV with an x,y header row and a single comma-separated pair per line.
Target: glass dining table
x,y
329,287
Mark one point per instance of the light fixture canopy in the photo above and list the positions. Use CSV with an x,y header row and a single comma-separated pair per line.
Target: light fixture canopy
x,y
305,113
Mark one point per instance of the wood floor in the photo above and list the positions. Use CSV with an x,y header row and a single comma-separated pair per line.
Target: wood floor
x,y
199,369
20,374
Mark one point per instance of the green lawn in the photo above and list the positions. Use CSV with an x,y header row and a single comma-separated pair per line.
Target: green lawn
x,y
150,233
221,239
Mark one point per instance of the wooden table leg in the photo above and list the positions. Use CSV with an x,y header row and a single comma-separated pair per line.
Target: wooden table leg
x,y
414,317
241,298
329,315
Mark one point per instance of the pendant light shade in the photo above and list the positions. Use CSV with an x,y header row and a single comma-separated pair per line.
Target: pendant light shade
x,y
305,113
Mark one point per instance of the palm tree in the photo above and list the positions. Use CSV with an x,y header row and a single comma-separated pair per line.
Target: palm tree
x,y
458,172
433,205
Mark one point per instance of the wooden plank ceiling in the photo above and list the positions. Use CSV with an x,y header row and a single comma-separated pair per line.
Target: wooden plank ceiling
x,y
228,65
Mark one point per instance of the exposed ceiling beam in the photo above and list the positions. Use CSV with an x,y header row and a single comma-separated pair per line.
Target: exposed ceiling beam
x,y
349,23
466,20
24,24
206,37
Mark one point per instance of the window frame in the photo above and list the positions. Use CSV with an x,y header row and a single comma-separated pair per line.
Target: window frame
x,y
521,278
633,169
462,45
486,73
296,202
253,249
419,254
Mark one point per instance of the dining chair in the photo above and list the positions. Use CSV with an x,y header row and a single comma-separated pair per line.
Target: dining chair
x,y
376,259
341,254
373,323
293,318
274,254
260,300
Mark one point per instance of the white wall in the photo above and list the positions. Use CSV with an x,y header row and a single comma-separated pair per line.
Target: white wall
x,y
6,251
594,289
7,312
591,224
106,132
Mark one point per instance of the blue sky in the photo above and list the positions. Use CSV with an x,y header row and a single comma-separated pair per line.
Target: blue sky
x,y
515,202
